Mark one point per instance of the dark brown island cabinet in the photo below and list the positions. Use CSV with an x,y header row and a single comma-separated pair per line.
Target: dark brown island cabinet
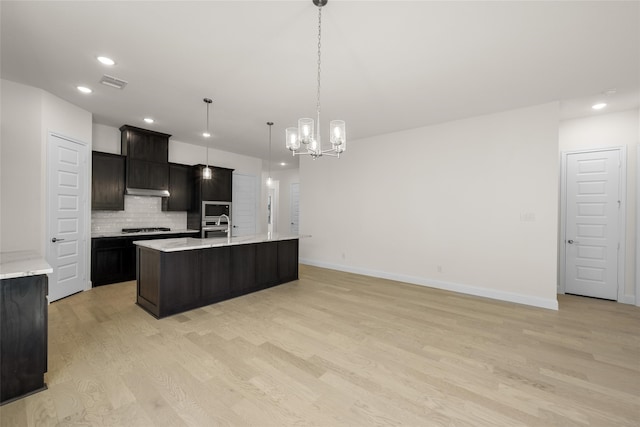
x,y
174,282
23,336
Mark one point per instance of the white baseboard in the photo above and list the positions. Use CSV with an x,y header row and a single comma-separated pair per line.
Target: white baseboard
x,y
551,304
627,299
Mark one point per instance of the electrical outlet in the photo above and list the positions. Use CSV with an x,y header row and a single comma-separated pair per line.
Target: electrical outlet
x,y
527,217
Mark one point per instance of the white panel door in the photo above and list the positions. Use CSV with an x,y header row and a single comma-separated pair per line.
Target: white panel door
x,y
66,246
592,237
295,208
243,207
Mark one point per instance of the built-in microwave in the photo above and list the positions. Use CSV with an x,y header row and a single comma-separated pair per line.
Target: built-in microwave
x,y
216,219
215,209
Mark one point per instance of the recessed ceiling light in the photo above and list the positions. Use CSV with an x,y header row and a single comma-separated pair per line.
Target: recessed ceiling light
x,y
283,164
148,120
599,106
84,89
106,61
206,134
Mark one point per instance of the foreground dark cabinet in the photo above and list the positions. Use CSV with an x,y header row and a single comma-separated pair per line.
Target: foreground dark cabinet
x,y
23,336
107,181
173,282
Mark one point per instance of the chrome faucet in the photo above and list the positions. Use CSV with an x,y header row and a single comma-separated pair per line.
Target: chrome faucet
x,y
228,223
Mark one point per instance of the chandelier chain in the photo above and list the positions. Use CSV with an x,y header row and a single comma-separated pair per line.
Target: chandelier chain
x,y
319,62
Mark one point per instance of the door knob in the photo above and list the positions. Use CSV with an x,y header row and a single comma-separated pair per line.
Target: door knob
x,y
55,239
571,242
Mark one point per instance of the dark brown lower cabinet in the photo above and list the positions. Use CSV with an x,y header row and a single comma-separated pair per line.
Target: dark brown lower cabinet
x,y
113,259
23,336
173,282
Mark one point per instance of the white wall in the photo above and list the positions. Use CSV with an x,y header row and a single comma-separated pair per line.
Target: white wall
x,y
21,170
28,115
470,206
612,130
283,180
106,139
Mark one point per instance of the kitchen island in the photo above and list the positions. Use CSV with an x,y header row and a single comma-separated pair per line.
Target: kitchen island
x,y
176,275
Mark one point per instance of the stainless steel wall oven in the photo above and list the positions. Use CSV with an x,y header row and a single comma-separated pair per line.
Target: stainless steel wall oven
x,y
216,219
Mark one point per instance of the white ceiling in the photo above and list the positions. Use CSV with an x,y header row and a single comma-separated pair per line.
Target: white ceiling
x,y
387,65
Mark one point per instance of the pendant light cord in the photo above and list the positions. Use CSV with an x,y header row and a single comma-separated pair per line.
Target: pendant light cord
x,y
270,124
208,133
207,101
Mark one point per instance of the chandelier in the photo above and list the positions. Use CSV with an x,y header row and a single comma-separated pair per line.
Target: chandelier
x,y
304,135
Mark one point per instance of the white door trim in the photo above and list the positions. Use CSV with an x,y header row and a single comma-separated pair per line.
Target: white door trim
x,y
637,272
87,208
622,217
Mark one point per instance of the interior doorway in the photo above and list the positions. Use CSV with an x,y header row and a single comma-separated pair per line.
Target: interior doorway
x,y
272,207
592,223
295,208
243,211
67,211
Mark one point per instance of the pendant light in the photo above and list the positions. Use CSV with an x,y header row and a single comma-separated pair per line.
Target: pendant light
x,y
269,179
206,172
304,133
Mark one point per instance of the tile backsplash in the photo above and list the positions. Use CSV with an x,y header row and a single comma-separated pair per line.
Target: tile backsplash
x,y
138,211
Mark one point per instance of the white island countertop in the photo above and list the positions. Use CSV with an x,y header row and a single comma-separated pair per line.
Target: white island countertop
x,y
22,264
190,243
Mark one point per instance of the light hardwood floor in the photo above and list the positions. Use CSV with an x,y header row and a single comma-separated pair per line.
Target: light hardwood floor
x,y
338,349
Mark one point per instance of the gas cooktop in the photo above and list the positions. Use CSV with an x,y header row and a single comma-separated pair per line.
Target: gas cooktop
x,y
145,229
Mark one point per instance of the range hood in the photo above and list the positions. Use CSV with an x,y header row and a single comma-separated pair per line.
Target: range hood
x,y
146,192
147,161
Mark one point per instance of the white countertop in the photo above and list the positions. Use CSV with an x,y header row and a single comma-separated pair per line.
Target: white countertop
x,y
142,233
190,243
22,264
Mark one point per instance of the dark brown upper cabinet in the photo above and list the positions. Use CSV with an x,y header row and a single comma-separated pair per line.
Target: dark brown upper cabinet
x,y
107,181
218,188
181,188
147,164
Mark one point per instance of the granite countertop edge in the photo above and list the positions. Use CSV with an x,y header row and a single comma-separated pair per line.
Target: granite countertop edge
x,y
148,233
190,243
22,264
